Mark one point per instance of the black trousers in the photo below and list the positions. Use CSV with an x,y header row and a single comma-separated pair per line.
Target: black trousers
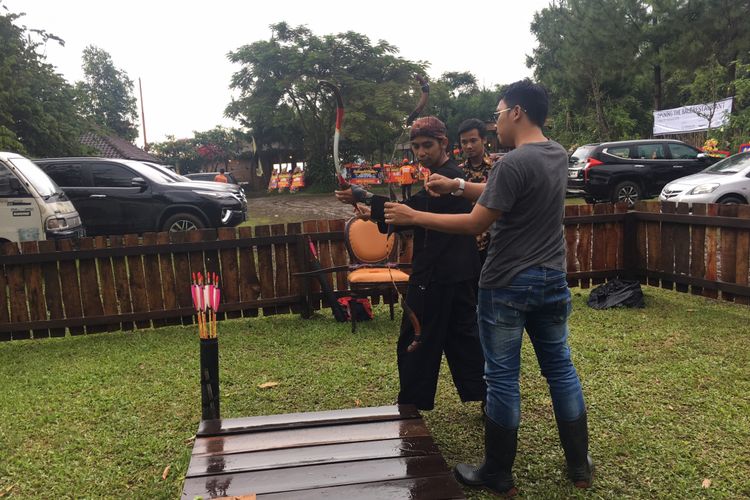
x,y
447,314
405,191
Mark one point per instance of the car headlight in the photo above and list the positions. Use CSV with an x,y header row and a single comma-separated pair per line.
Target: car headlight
x,y
215,194
704,188
56,223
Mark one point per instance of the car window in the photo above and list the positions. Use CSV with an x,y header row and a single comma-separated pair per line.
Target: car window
x,y
682,152
618,151
112,175
650,151
581,154
5,176
731,165
65,175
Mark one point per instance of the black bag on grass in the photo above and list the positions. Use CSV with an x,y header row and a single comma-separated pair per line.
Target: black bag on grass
x,y
617,293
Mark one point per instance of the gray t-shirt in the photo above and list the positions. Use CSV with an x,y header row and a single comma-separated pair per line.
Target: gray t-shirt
x,y
528,186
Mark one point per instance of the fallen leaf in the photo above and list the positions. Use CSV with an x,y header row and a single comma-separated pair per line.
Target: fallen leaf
x,y
166,472
706,483
190,440
268,385
7,490
357,402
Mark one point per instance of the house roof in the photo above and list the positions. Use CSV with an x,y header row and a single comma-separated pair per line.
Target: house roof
x,y
108,146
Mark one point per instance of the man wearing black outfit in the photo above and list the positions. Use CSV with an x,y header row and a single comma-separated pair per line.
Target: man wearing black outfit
x,y
442,285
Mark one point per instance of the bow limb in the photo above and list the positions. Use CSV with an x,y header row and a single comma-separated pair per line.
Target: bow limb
x,y
337,134
425,87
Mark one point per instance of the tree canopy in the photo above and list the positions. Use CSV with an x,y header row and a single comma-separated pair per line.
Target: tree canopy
x,y
609,63
38,116
106,94
280,100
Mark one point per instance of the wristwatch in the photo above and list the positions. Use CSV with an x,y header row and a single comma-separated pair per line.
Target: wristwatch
x,y
461,186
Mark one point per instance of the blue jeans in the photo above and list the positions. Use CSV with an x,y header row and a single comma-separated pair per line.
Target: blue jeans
x,y
537,299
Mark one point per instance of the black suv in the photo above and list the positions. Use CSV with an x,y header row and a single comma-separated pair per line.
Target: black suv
x,y
631,170
124,196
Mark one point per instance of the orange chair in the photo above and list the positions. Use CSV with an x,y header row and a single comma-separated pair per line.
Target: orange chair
x,y
372,267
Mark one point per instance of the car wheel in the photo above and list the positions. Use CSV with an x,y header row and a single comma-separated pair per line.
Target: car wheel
x,y
182,222
732,200
627,191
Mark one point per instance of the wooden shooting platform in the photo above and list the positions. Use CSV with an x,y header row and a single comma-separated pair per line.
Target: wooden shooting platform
x,y
363,453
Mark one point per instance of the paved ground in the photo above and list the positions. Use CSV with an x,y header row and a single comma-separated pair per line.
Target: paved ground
x,y
295,208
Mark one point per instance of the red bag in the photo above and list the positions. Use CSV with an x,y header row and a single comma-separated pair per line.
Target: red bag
x,y
359,307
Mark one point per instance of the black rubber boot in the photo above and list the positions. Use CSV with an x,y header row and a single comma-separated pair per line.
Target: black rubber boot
x,y
574,437
495,473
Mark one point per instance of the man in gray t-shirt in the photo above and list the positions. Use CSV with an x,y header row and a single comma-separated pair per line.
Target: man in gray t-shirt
x,y
522,285
528,186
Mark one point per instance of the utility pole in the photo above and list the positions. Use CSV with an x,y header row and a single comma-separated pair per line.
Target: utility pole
x,y
143,116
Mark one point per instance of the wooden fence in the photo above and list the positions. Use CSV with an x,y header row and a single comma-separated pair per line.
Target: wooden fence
x,y
97,284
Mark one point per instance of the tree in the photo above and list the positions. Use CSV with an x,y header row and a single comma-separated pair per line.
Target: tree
x,y
106,95
609,63
37,112
280,100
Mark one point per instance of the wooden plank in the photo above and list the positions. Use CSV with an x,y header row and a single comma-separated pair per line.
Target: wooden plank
x,y
642,258
296,265
72,290
585,235
311,226
698,248
682,247
571,240
15,280
137,280
339,256
122,285
653,235
712,252
249,283
107,283
310,436
32,274
168,285
265,269
4,297
293,479
618,236
281,278
91,300
182,277
152,271
52,291
441,487
667,244
230,283
324,252
311,455
306,419
728,250
210,255
612,241
599,244
743,254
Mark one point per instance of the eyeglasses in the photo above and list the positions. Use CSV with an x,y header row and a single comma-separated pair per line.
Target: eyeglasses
x,y
497,114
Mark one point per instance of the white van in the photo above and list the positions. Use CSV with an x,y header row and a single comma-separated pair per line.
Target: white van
x,y
32,206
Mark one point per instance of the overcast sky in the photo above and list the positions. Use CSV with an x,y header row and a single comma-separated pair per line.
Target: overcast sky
x,y
178,49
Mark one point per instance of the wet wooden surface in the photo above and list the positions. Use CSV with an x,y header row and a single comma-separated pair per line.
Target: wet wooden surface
x,y
384,452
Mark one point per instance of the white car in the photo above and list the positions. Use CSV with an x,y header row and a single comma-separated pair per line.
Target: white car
x,y
727,181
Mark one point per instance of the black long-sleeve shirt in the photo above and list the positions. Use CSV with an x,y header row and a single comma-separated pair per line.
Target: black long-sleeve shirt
x,y
438,257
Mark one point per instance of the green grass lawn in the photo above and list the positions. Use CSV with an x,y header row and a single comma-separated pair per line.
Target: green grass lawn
x,y
103,415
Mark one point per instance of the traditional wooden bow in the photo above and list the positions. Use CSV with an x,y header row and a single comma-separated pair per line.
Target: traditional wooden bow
x,y
425,87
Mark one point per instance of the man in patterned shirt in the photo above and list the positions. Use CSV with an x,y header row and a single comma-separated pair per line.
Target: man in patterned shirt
x,y
477,166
